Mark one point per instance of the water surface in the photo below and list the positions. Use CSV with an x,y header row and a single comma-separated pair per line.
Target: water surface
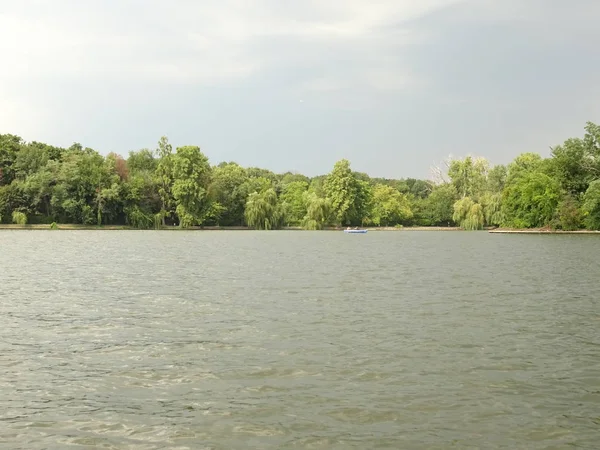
x,y
284,340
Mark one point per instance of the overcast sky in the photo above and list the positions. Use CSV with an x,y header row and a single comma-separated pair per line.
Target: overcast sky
x,y
392,85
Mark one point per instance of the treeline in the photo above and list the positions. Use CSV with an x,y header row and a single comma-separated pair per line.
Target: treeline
x,y
40,183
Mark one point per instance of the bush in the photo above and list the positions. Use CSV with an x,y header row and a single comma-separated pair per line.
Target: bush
x,y
19,218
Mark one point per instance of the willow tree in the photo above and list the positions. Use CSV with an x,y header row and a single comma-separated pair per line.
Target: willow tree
x,y
263,211
318,211
468,214
191,178
492,208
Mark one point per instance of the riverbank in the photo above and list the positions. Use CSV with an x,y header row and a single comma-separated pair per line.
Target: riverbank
x,y
539,231
207,228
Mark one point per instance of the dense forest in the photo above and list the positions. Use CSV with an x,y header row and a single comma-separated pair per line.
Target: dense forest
x,y
40,183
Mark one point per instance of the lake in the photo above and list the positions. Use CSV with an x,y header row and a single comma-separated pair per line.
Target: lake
x,y
298,340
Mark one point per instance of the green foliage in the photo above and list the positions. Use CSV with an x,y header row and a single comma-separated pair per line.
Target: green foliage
x,y
165,179
10,147
591,206
137,218
348,194
468,214
438,208
293,194
469,176
569,216
19,218
191,178
496,179
318,211
53,226
229,188
492,208
523,164
389,207
142,161
263,211
152,189
530,201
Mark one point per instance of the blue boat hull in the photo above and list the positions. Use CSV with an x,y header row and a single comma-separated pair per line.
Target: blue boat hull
x,y
355,231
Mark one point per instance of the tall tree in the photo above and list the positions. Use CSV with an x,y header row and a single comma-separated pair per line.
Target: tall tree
x,y
345,192
165,177
191,178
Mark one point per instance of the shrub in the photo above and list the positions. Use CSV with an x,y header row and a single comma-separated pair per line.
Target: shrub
x,y
19,218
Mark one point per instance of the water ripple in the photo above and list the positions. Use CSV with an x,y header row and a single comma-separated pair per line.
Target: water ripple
x,y
216,340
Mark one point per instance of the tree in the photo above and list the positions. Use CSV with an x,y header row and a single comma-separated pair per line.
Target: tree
x,y
290,177
468,214
530,201
569,215
591,206
229,189
191,178
390,207
165,178
523,164
29,160
76,196
469,176
142,203
10,146
492,208
496,179
262,210
438,208
318,211
293,195
345,192
142,161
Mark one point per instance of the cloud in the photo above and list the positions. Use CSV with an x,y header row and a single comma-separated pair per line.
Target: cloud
x,y
55,49
408,80
181,41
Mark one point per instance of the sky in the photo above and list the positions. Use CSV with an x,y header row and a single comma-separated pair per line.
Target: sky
x,y
394,86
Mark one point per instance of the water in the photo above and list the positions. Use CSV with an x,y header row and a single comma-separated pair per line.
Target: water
x,y
284,340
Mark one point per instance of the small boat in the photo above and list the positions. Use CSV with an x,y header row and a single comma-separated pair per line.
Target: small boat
x,y
355,231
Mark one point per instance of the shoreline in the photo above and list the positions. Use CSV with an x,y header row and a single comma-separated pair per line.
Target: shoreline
x,y
206,228
74,227
539,231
